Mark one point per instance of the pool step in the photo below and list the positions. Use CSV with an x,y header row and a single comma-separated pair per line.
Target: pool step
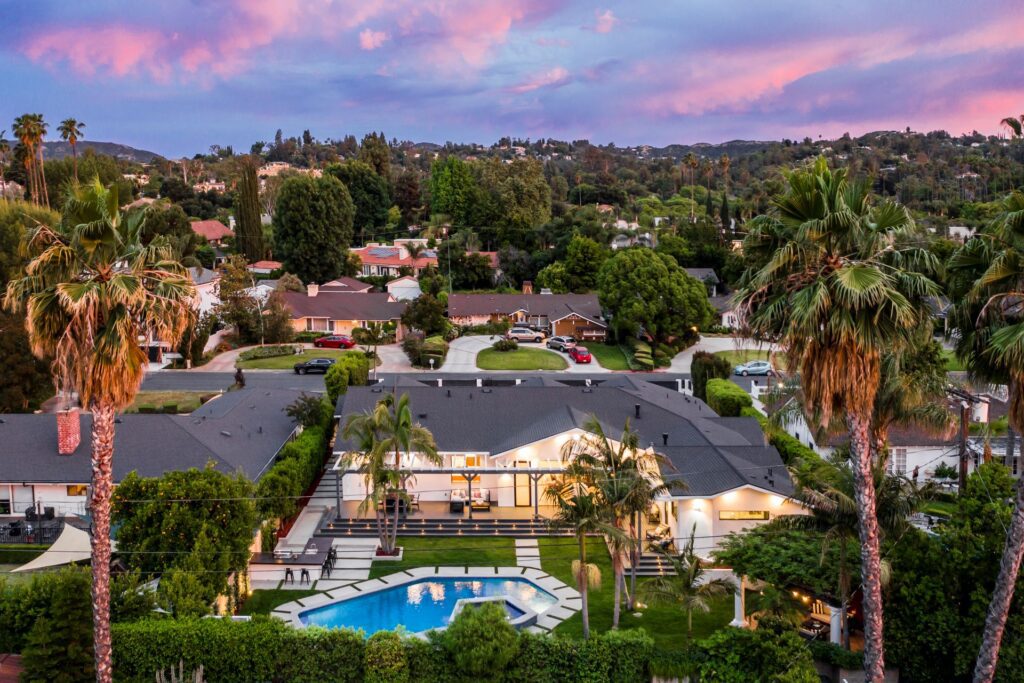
x,y
515,528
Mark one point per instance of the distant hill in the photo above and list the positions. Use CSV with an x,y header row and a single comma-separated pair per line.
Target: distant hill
x,y
734,148
58,149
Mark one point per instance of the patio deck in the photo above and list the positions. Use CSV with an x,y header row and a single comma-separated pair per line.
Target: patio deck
x,y
440,510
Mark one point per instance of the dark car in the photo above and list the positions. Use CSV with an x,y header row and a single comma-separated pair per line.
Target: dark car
x,y
314,365
334,341
580,354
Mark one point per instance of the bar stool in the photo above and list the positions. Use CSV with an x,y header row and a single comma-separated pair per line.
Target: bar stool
x,y
289,576
304,577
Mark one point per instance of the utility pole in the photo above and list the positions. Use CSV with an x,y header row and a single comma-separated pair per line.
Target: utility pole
x,y
967,401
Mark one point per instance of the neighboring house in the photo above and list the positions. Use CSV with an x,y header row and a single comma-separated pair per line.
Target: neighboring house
x,y
263,267
210,186
404,288
509,440
626,240
330,313
11,190
213,231
206,281
960,232
707,276
345,285
578,315
45,459
388,260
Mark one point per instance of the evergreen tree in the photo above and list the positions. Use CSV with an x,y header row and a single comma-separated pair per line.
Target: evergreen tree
x,y
249,232
709,209
59,646
375,152
313,227
724,212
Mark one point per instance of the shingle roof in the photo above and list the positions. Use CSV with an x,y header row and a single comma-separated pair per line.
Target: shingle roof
x,y
240,431
703,274
710,453
202,276
211,230
345,285
364,306
552,306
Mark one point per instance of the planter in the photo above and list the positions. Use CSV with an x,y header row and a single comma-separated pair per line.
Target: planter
x,y
388,558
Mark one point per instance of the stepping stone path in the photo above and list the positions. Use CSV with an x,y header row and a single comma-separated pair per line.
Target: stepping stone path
x,y
527,553
355,555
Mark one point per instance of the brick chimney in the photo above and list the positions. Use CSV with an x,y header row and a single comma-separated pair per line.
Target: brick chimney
x,y
312,290
69,431
527,287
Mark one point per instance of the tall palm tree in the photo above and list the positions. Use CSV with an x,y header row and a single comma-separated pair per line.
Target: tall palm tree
x,y
689,589
843,285
89,292
23,130
71,130
829,494
38,129
1016,125
987,279
372,463
394,434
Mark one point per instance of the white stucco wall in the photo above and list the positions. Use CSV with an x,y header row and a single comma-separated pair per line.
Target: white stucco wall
x,y
710,530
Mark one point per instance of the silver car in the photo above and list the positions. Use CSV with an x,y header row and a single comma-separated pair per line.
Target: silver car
x,y
755,367
561,343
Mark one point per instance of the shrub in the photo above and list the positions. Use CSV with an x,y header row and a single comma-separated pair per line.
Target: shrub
x,y
735,655
171,408
638,354
22,605
146,408
336,381
945,471
789,447
707,366
59,645
421,350
481,641
307,337
833,654
268,352
505,345
385,659
726,398
349,370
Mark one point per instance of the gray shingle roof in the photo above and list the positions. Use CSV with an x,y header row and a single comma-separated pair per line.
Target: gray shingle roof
x,y
711,453
240,431
703,274
552,306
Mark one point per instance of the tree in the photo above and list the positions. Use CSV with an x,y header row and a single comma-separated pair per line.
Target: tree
x,y
309,410
583,260
1014,124
369,193
452,188
688,588
289,283
649,292
707,366
249,230
169,222
5,150
481,641
373,335
374,151
238,305
313,227
739,655
554,277
987,276
386,432
59,646
723,212
71,130
691,163
30,129
407,197
193,341
90,292
844,285
677,247
426,314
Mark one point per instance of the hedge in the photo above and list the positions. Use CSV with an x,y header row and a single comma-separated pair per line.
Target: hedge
x,y
726,398
707,366
505,345
639,355
790,449
420,351
349,370
833,654
268,352
297,467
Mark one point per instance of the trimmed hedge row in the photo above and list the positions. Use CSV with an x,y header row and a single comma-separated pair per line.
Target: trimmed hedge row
x,y
297,466
266,649
639,355
420,351
349,370
726,398
706,366
268,352
789,447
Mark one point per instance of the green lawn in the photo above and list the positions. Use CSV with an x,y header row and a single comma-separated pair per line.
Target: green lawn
x,y
953,363
263,601
666,624
941,508
521,359
287,362
740,356
187,401
422,551
610,357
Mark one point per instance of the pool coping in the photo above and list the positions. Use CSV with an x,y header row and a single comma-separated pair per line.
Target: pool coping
x,y
568,599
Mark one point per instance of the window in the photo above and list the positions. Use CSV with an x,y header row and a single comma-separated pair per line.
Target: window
x,y
732,515
317,325
464,461
899,460
77,489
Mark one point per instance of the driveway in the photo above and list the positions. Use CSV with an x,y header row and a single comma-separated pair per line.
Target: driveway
x,y
681,363
462,353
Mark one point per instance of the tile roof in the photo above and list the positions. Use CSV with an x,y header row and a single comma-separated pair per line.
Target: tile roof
x,y
367,306
211,230
240,431
712,454
552,306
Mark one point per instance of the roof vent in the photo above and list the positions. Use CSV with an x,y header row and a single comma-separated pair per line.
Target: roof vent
x,y
421,416
587,390
449,393
225,432
487,391
636,410
664,438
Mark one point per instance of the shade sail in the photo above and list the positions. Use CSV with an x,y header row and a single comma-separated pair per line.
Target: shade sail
x,y
73,545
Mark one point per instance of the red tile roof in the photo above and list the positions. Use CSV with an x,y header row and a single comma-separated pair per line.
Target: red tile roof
x,y
269,265
212,230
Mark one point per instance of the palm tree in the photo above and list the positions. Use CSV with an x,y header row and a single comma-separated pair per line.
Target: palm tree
x,y
691,163
842,286
688,588
374,334
89,292
23,130
1016,125
987,278
71,130
372,463
38,131
389,431
829,493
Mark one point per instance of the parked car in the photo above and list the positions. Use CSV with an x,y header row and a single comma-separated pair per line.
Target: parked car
x,y
755,367
561,343
314,365
580,354
524,334
335,341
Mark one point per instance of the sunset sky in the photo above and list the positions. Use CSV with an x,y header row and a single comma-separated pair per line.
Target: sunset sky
x,y
176,77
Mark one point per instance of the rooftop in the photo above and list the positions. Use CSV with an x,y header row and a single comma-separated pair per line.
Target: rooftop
x,y
364,306
552,306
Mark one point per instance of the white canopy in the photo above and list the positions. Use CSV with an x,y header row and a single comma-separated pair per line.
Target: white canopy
x,y
73,545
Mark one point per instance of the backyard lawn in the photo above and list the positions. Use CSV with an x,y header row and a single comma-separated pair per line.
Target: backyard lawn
x,y
13,556
263,601
953,363
665,623
422,551
287,362
187,401
521,359
610,357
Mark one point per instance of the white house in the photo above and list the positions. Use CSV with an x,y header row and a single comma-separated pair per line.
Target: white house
x,y
404,288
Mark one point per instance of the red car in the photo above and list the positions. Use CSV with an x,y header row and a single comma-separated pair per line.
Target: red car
x,y
579,354
335,341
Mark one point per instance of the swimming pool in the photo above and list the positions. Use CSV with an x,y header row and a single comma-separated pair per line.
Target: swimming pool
x,y
424,604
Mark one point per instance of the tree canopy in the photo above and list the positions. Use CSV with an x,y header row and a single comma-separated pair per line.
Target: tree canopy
x,y
313,227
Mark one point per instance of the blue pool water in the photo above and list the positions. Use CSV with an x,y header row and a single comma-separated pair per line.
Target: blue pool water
x,y
423,605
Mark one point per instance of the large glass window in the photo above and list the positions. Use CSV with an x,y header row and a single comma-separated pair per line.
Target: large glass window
x,y
464,461
731,515
899,460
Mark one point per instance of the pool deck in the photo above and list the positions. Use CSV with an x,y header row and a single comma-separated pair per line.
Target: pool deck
x,y
569,601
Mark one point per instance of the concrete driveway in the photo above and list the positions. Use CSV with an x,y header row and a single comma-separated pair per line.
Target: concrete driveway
x,y
681,363
462,354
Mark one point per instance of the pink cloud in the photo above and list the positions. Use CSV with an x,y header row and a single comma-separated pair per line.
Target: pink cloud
x,y
554,78
371,40
119,49
606,21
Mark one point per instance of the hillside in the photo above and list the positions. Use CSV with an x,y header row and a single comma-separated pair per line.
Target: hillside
x,y
58,149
